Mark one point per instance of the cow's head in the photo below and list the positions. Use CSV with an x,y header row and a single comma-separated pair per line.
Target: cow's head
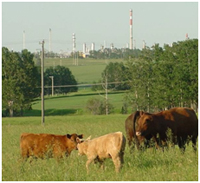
x,y
74,139
145,124
82,146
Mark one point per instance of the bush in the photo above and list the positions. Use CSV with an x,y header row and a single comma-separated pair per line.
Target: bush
x,y
97,106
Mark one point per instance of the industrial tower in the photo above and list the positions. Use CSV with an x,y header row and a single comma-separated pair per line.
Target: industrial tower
x,y
24,40
75,55
131,31
50,41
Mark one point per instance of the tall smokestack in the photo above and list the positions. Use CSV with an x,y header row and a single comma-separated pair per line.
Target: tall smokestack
x,y
74,42
131,30
186,36
49,40
24,39
84,47
93,47
75,56
144,44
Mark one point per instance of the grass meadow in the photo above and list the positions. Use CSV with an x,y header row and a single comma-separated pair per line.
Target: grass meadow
x,y
75,103
150,165
88,70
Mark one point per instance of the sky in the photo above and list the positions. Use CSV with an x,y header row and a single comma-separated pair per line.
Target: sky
x,y
101,23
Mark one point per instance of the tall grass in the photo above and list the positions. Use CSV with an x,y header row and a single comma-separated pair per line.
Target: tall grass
x,y
151,165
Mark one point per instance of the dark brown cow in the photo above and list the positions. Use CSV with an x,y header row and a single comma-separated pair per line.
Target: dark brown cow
x,y
47,145
183,123
130,131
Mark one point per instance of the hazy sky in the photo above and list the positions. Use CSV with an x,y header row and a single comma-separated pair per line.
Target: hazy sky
x,y
98,22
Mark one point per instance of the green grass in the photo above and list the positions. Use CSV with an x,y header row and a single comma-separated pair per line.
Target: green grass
x,y
74,103
151,165
88,70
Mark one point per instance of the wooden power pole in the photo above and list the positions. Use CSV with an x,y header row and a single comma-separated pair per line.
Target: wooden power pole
x,y
42,83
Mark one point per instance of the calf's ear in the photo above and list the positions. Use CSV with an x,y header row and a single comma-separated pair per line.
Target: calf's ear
x,y
80,136
78,140
68,136
89,138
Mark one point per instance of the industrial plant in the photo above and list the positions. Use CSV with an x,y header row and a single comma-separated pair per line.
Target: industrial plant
x,y
87,48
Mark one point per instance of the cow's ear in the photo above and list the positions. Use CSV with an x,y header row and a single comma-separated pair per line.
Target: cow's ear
x,y
89,138
80,136
150,119
141,113
68,136
78,140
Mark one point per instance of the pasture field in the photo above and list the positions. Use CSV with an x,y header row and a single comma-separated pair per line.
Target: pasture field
x,y
74,103
88,70
150,165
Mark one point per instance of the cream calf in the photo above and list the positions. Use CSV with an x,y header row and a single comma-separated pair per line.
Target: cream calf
x,y
108,146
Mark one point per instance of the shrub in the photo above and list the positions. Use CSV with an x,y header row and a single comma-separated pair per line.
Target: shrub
x,y
98,107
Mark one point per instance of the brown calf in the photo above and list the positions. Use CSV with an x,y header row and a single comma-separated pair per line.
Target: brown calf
x,y
47,145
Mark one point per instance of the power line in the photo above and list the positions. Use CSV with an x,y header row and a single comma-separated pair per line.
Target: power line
x,y
94,84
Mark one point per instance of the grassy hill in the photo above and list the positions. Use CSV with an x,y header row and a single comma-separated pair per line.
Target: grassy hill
x,y
74,103
87,71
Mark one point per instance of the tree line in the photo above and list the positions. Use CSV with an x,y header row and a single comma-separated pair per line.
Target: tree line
x,y
154,78
158,78
162,78
21,81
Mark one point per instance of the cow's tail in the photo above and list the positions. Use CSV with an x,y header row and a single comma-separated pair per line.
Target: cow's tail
x,y
136,115
121,144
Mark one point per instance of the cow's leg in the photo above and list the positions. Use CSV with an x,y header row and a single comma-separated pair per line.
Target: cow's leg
x,y
137,143
129,141
173,140
90,159
163,138
194,139
117,163
157,142
181,143
130,144
101,163
184,139
146,143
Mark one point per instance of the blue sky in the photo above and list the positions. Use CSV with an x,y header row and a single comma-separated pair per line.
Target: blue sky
x,y
98,22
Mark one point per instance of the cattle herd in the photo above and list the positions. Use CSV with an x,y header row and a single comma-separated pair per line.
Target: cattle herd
x,y
140,128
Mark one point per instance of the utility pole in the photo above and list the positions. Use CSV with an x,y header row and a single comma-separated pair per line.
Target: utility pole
x,y
42,82
105,87
106,97
52,84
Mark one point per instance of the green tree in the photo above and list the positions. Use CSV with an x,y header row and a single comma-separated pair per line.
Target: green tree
x,y
163,78
115,73
19,80
62,76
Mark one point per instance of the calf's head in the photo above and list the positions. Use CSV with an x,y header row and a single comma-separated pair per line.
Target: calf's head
x,y
73,140
82,146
